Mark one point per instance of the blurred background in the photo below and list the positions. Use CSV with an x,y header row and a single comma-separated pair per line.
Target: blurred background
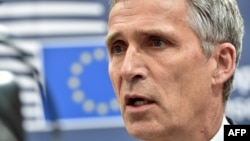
x,y
55,50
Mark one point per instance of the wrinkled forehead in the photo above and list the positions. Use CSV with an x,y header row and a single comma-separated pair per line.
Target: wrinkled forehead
x,y
156,4
146,15
126,8
126,2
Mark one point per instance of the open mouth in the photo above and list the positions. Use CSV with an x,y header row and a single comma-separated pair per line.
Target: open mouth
x,y
136,102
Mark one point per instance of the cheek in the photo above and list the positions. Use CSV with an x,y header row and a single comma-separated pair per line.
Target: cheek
x,y
194,86
113,74
185,79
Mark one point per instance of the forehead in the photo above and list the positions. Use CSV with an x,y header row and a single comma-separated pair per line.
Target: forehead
x,y
147,13
140,9
154,4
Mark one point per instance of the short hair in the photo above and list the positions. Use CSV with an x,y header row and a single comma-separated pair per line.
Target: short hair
x,y
215,22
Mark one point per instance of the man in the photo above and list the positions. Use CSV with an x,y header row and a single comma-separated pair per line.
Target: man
x,y
172,64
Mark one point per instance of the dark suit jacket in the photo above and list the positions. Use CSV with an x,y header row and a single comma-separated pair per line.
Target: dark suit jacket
x,y
230,121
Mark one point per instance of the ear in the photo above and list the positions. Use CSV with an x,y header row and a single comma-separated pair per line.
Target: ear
x,y
225,56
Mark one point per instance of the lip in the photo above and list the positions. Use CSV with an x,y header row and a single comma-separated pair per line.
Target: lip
x,y
130,108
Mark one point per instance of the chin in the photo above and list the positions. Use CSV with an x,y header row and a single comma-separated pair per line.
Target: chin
x,y
142,131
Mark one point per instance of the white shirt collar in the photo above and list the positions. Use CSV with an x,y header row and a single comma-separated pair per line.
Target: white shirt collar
x,y
219,136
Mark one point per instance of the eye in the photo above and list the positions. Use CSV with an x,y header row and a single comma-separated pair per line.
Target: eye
x,y
158,42
117,49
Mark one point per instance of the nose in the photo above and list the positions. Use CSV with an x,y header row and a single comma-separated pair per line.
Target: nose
x,y
133,66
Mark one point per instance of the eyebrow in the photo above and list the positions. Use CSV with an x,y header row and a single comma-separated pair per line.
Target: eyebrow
x,y
112,37
170,36
150,32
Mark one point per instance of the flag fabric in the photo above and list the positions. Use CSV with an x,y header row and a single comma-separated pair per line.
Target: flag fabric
x,y
31,25
77,81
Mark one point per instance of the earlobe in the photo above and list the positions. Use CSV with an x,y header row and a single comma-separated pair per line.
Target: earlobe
x,y
225,55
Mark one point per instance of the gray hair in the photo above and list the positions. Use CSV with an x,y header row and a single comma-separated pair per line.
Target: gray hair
x,y
215,22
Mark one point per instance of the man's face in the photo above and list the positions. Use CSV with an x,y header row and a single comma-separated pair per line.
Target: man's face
x,y
160,76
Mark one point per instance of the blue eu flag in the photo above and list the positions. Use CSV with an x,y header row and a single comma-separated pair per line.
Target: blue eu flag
x,y
77,82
